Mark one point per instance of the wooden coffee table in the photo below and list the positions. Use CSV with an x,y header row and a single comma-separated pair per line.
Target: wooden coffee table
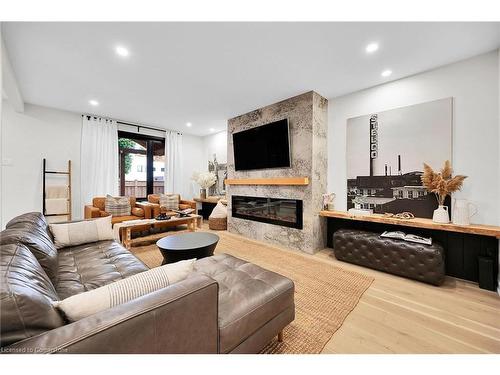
x,y
192,222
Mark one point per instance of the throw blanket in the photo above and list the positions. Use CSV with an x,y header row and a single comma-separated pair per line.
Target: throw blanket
x,y
56,206
118,226
56,191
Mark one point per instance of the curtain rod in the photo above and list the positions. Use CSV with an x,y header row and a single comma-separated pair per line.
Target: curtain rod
x,y
136,125
140,126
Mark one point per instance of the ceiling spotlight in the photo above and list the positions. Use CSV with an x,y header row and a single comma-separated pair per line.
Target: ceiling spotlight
x,y
93,102
212,129
122,51
372,47
188,124
386,73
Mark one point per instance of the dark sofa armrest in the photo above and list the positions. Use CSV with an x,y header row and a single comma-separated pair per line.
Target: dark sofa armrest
x,y
181,318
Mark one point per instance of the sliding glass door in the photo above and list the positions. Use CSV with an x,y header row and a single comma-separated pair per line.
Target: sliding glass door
x,y
142,164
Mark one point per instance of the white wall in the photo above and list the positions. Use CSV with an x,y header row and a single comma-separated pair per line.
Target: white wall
x,y
474,85
194,161
498,122
27,138
215,144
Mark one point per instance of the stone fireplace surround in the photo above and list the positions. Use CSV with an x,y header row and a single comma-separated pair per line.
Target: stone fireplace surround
x,y
307,117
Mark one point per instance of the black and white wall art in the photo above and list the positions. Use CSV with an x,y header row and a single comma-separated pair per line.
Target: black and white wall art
x,y
386,152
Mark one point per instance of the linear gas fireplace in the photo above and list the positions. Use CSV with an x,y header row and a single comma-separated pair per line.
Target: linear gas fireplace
x,y
285,212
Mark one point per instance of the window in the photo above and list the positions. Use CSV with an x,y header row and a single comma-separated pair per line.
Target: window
x,y
141,157
400,193
410,194
163,169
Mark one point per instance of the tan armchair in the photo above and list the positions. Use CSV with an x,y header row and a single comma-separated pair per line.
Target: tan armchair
x,y
97,209
154,201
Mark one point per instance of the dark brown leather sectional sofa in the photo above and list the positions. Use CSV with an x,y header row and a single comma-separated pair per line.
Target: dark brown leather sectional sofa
x,y
226,306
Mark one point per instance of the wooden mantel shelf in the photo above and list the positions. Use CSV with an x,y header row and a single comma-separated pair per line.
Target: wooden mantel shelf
x,y
479,229
268,181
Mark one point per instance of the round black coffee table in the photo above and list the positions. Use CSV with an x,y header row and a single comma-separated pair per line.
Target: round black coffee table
x,y
187,246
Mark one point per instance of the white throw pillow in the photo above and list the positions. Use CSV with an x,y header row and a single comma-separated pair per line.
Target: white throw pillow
x,y
77,233
219,211
88,303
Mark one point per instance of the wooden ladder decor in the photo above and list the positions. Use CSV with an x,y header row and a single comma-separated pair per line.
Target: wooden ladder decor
x,y
68,174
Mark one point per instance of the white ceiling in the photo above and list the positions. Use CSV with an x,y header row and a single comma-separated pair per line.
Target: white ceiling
x,y
205,73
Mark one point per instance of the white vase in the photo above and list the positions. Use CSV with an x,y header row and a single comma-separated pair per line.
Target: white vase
x,y
463,210
441,215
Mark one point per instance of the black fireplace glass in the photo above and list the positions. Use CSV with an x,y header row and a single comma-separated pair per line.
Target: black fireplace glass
x,y
279,211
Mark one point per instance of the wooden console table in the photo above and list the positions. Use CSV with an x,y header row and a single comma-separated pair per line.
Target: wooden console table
x,y
471,250
207,205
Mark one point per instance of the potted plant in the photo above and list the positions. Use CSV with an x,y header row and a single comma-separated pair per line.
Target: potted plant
x,y
441,184
205,180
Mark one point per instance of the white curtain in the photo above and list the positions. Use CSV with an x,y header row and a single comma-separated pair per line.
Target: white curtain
x,y
173,166
99,158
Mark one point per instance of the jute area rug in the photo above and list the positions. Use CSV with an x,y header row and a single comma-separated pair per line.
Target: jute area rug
x,y
324,294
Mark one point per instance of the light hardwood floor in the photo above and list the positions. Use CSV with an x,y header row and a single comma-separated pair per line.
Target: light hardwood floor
x,y
397,315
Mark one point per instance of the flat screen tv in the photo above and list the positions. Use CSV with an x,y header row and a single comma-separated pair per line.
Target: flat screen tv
x,y
266,146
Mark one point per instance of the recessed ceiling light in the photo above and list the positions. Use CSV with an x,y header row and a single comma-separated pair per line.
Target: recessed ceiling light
x,y
386,73
212,129
122,51
93,102
188,124
372,47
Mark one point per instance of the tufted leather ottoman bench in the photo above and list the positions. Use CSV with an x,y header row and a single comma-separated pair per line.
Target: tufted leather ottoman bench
x,y
412,260
254,304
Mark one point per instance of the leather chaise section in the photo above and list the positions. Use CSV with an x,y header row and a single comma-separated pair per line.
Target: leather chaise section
x,y
261,338
408,259
90,266
249,297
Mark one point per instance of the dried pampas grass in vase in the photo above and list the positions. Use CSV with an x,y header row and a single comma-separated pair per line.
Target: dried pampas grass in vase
x,y
441,184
